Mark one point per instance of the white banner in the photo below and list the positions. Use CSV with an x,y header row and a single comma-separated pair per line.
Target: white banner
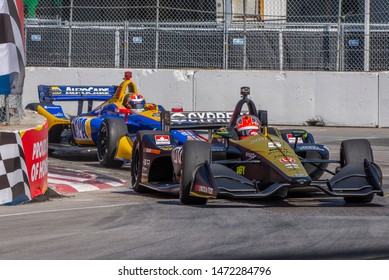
x,y
191,270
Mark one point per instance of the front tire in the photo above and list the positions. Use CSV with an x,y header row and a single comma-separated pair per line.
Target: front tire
x,y
110,132
136,165
356,151
194,153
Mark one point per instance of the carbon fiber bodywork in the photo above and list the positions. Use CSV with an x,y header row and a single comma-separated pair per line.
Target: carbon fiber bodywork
x,y
268,164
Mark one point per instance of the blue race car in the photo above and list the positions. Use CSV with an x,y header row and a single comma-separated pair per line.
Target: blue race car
x,y
99,129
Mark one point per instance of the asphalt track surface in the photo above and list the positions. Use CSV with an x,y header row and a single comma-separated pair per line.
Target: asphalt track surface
x,y
118,223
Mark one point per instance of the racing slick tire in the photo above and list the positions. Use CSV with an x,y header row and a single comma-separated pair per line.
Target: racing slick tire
x,y
194,153
110,132
357,150
137,161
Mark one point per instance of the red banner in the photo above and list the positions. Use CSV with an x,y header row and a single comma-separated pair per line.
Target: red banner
x,y
35,146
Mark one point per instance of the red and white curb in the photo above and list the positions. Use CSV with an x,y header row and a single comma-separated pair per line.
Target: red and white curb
x,y
69,181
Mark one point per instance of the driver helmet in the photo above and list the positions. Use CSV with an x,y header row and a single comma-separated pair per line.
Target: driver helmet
x,y
135,102
247,125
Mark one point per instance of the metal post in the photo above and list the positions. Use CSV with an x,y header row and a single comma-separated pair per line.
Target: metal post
x,y
157,37
117,48
367,36
339,50
70,34
244,36
281,48
227,22
125,47
224,36
6,101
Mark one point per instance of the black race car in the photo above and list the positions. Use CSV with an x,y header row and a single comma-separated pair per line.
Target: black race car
x,y
269,162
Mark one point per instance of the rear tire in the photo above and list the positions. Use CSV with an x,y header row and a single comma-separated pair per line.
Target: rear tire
x,y
194,153
356,151
110,132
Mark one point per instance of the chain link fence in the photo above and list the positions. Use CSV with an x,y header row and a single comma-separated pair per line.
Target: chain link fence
x,y
11,112
327,35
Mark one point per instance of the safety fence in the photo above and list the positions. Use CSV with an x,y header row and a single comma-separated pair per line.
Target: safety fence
x,y
328,35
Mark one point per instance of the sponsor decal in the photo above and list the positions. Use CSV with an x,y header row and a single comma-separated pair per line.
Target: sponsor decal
x,y
218,148
202,117
250,155
311,148
176,155
257,140
39,154
162,139
87,90
151,151
241,169
77,90
146,162
59,114
287,159
272,145
292,165
203,189
80,128
35,146
167,147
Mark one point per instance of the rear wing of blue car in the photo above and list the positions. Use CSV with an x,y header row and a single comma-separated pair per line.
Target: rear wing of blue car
x,y
50,93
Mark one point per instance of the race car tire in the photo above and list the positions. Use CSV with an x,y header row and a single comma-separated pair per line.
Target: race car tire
x,y
110,132
356,150
136,163
194,153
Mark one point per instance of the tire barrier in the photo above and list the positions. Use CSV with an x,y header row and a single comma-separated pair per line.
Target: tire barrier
x,y
23,164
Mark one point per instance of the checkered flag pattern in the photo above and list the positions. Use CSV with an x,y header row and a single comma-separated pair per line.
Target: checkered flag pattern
x,y
14,184
12,55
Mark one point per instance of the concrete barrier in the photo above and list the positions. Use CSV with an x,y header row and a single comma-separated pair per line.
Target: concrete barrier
x,y
291,98
23,160
383,100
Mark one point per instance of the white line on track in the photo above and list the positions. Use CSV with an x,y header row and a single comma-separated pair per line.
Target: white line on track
x,y
68,209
